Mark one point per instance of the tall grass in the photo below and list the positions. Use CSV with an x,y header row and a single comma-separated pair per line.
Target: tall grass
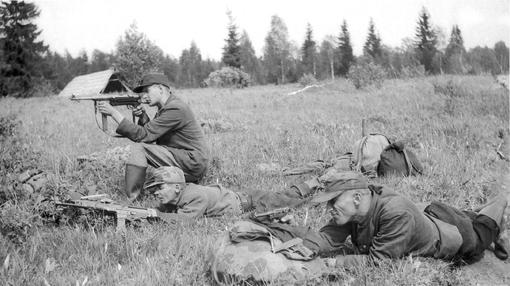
x,y
452,124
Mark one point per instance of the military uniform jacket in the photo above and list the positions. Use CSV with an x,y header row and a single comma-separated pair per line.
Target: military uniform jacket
x,y
393,228
174,127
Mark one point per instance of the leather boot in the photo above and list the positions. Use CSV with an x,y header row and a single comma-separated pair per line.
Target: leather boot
x,y
501,248
495,209
135,177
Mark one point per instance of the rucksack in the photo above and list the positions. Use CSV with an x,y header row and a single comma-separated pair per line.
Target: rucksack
x,y
249,254
367,153
396,159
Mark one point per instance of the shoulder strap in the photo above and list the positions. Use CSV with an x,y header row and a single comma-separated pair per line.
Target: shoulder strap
x,y
389,141
360,152
408,163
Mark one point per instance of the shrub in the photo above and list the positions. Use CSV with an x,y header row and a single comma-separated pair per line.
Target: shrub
x,y
412,71
450,88
17,223
365,74
307,79
8,126
228,77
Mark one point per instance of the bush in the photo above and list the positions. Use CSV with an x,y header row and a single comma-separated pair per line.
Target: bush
x,y
8,126
365,74
450,88
412,71
17,224
228,77
307,79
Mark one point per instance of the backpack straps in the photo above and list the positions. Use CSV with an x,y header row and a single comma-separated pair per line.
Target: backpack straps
x,y
408,163
389,142
360,152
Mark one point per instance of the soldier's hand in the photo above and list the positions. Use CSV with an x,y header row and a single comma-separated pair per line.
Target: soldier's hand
x,y
105,108
138,111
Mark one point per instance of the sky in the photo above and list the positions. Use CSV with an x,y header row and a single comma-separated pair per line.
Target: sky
x,y
77,25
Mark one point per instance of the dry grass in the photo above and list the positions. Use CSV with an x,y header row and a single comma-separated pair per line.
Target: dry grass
x,y
454,134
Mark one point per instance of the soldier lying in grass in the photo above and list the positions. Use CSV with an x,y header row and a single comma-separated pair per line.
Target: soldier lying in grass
x,y
187,200
383,224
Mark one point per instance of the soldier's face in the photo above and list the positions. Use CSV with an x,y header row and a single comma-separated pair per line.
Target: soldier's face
x,y
167,193
152,95
343,208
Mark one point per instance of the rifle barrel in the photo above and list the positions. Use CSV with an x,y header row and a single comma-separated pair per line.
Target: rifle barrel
x,y
109,97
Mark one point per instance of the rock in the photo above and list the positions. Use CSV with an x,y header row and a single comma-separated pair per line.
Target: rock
x,y
27,189
269,167
25,176
38,181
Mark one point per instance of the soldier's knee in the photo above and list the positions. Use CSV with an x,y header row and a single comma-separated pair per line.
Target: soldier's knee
x,y
137,155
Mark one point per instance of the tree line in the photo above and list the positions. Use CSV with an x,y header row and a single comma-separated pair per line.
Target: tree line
x,y
28,67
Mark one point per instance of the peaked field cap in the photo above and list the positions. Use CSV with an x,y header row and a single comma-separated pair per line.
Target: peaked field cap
x,y
169,175
340,183
150,79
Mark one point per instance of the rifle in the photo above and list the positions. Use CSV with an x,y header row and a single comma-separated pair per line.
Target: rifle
x,y
131,100
103,203
271,215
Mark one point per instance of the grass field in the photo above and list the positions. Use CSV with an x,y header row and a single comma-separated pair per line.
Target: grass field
x,y
452,124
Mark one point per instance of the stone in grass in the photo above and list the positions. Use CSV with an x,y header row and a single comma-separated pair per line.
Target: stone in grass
x,y
38,181
269,167
27,189
25,176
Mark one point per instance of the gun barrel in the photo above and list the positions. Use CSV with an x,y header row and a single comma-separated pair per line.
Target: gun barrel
x,y
107,97
273,212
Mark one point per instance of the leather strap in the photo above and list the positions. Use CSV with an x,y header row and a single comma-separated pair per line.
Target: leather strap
x,y
408,163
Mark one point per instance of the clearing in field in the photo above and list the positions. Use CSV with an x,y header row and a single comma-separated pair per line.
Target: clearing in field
x,y
453,124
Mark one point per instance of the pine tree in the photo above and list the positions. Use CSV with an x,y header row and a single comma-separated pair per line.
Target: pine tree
x,y
372,47
80,64
455,52
249,61
345,53
502,54
21,52
100,61
136,55
426,41
190,62
309,53
327,58
231,51
170,67
277,51
60,74
483,60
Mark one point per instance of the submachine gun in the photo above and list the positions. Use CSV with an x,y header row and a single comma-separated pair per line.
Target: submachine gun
x,y
107,85
102,203
131,100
